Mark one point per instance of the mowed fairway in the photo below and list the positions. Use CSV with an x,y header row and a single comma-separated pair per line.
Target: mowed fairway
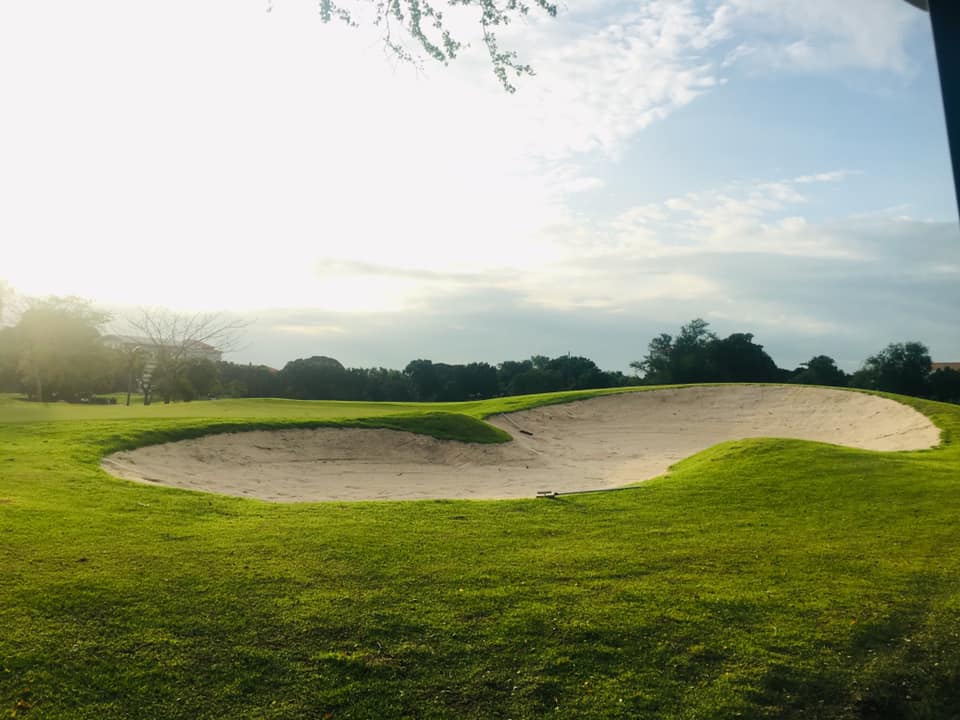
x,y
759,578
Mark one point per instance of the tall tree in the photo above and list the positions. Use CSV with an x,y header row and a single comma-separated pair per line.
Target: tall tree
x,y
424,377
696,354
577,373
201,379
820,370
945,385
678,360
250,380
315,378
536,380
655,366
478,380
171,340
736,358
9,381
507,371
130,360
901,368
379,385
689,359
58,348
5,293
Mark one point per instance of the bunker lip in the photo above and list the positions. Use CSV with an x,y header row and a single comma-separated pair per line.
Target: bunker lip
x,y
600,443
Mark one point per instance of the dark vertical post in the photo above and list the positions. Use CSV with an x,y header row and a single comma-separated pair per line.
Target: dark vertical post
x,y
945,18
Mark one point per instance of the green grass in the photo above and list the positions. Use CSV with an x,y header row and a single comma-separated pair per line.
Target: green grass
x,y
759,579
14,409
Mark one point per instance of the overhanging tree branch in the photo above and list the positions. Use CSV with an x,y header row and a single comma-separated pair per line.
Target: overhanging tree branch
x,y
426,26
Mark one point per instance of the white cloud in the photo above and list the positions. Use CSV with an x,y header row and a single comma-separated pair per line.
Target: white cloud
x,y
604,76
750,252
767,316
759,217
308,330
209,156
823,35
832,176
897,282
265,146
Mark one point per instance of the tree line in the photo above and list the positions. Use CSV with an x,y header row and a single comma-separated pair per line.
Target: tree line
x,y
57,350
696,354
324,378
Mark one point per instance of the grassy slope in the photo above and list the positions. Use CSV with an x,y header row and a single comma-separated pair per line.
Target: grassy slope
x,y
761,578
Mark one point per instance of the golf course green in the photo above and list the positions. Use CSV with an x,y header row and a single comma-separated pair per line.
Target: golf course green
x,y
760,578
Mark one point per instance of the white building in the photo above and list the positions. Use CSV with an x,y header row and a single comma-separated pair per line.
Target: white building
x,y
194,350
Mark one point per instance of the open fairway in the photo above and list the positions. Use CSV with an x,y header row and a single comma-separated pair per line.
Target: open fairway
x,y
758,578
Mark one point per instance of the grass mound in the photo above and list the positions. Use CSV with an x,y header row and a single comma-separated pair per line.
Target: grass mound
x,y
441,425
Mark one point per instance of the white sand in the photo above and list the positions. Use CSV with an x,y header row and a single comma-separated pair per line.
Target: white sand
x,y
590,444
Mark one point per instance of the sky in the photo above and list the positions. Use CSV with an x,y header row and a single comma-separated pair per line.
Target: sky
x,y
772,166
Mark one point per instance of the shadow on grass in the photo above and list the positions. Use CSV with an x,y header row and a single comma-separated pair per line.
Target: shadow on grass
x,y
905,664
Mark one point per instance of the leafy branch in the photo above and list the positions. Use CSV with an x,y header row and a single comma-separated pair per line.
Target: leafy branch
x,y
423,22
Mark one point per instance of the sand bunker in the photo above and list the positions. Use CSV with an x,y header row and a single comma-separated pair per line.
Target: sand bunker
x,y
590,444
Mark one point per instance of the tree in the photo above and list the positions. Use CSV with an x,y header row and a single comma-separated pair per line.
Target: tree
x,y
655,366
688,360
171,340
899,368
678,360
737,358
540,362
9,382
7,356
698,355
250,380
478,380
315,378
423,22
945,385
507,371
536,380
577,373
6,294
132,360
200,379
57,348
820,370
423,376
379,384
149,380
